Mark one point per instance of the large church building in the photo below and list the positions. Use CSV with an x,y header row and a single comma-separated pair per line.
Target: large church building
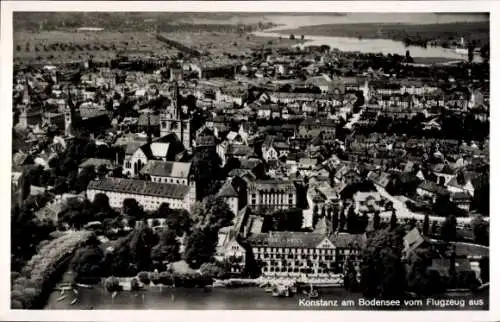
x,y
172,120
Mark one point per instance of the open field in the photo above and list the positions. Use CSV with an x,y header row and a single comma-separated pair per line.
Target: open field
x,y
440,33
66,46
62,46
218,43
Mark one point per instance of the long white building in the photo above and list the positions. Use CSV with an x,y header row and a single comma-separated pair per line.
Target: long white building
x,y
150,195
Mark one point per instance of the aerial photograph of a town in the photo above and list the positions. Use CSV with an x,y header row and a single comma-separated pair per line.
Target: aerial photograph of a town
x,y
250,161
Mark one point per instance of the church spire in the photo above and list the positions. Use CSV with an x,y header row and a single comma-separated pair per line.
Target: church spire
x,y
175,99
26,92
149,128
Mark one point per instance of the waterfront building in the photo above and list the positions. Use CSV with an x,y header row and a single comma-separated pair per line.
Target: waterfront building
x,y
294,254
150,195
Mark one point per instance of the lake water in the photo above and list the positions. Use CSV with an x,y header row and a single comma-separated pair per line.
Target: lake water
x,y
249,298
385,46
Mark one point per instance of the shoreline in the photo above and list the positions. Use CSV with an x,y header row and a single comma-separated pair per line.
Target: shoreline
x,y
374,30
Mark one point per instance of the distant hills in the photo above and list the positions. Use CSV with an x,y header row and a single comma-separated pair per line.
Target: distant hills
x,y
35,21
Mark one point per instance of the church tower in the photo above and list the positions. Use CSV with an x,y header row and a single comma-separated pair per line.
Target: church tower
x,y
171,120
23,116
71,116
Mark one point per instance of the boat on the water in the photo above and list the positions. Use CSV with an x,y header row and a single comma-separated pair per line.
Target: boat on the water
x,y
313,293
84,285
60,298
281,291
74,301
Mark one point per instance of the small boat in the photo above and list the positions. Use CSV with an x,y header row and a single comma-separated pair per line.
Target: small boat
x,y
114,294
312,292
281,291
84,285
60,298
74,301
268,288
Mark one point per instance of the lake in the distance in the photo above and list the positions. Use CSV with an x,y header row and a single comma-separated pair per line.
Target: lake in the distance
x,y
385,46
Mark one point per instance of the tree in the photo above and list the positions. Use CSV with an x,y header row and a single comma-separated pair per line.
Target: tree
x,y
167,248
425,227
214,270
315,210
218,214
376,221
292,37
112,284
350,277
200,247
485,53
144,278
178,220
449,229
382,272
420,279
342,220
484,265
87,264
132,209
481,230
335,220
352,221
100,204
102,170
363,223
434,228
394,220
470,51
83,178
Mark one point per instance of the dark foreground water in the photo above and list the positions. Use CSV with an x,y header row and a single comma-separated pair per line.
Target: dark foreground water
x,y
250,298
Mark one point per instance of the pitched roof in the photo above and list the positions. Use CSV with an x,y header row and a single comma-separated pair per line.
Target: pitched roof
x,y
140,187
433,187
96,162
270,185
159,149
133,146
287,239
227,190
413,239
167,168
154,120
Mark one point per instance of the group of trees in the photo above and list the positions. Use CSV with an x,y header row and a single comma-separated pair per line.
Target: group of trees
x,y
452,127
40,272
210,216
382,271
63,174
206,168
27,231
283,220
